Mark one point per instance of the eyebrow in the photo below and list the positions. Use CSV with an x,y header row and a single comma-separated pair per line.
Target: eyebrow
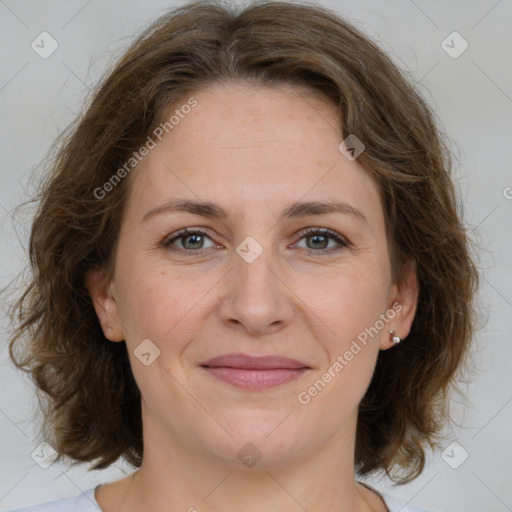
x,y
294,210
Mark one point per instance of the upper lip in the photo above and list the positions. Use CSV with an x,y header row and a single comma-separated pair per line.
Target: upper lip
x,y
247,362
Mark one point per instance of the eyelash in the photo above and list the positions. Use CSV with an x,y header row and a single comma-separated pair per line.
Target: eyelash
x,y
343,243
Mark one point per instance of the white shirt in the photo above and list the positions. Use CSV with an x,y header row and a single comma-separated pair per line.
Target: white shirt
x,y
86,502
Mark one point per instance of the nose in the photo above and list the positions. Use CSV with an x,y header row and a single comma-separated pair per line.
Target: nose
x,y
256,298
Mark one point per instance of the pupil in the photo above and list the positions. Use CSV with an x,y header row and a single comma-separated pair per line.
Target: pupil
x,y
188,237
323,245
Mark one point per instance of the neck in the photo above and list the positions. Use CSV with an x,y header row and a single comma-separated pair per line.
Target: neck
x,y
176,477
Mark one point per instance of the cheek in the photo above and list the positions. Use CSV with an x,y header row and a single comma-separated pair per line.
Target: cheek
x,y
350,309
159,307
347,300
165,305
151,303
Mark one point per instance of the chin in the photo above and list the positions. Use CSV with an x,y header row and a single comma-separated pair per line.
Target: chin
x,y
260,439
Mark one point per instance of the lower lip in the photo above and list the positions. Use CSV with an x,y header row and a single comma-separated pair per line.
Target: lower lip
x,y
255,379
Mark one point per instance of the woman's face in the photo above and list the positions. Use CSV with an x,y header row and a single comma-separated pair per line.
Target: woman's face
x,y
250,280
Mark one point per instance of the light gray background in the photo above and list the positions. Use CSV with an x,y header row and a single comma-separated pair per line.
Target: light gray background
x,y
472,95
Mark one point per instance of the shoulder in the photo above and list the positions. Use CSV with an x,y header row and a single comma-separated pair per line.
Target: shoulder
x,y
395,505
85,502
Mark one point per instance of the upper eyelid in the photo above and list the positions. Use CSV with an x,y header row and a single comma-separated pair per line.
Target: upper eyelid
x,y
323,231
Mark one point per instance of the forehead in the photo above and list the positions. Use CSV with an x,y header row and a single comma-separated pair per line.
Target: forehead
x,y
253,146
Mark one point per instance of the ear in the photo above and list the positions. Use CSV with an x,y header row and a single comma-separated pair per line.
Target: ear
x,y
403,300
101,289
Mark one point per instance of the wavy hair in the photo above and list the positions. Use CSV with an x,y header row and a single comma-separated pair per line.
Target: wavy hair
x,y
91,402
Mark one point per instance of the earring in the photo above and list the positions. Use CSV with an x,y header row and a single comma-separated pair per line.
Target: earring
x,y
395,339
110,329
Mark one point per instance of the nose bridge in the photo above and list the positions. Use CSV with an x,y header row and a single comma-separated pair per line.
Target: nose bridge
x,y
255,296
253,266
254,279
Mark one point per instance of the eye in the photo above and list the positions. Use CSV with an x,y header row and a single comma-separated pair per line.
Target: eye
x,y
318,240
190,240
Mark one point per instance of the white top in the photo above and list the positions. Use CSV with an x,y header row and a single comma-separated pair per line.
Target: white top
x,y
86,502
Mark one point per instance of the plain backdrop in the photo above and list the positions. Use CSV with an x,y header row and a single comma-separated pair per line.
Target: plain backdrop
x,y
472,97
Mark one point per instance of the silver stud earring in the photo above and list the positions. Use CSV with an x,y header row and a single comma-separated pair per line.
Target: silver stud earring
x,y
395,339
110,329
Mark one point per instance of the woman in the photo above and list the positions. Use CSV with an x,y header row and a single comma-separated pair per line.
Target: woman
x,y
250,277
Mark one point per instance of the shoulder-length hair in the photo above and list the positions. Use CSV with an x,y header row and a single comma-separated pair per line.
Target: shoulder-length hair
x,y
90,398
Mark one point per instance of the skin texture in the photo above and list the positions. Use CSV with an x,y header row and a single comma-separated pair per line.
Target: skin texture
x,y
253,151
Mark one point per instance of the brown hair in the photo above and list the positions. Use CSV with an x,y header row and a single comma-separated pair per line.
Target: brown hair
x,y
91,400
